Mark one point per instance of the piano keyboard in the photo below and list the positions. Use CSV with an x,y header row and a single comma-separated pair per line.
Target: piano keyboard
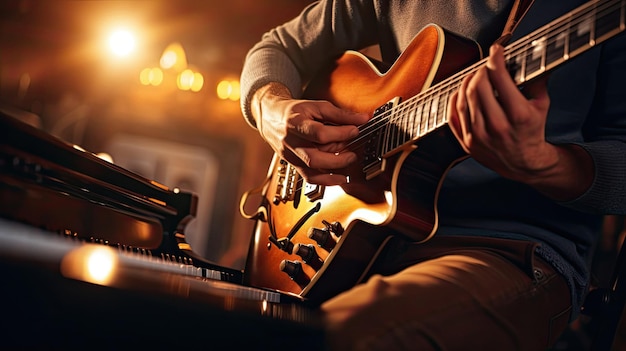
x,y
76,258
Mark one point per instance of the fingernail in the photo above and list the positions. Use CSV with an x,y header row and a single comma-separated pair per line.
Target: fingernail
x,y
354,132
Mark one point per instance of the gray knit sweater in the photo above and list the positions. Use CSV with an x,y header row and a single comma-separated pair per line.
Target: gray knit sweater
x,y
588,107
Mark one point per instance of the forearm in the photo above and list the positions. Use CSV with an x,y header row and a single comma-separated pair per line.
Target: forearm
x,y
568,178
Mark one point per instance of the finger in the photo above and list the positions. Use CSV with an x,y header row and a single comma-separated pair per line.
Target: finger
x,y
488,117
503,82
313,175
315,158
316,132
331,124
335,115
508,93
453,120
463,113
311,156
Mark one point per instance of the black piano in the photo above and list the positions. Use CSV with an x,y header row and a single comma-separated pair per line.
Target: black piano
x,y
93,256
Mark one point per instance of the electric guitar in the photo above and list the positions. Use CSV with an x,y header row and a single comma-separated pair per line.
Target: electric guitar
x,y
316,241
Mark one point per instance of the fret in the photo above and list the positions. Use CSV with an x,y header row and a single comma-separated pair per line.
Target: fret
x,y
556,50
566,41
442,110
580,36
411,121
418,119
609,22
426,117
402,128
408,123
434,109
592,27
514,66
535,58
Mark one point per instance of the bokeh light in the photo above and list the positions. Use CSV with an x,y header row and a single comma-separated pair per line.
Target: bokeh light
x,y
174,57
122,42
151,76
228,90
190,80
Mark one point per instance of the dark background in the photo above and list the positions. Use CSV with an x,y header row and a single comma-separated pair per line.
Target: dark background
x,y
55,64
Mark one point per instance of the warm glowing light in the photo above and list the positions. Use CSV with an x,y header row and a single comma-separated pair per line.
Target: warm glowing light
x,y
122,42
198,82
168,59
223,90
190,80
100,264
105,156
91,263
228,90
174,57
151,76
235,93
185,79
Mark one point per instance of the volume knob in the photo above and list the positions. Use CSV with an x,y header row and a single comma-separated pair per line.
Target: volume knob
x,y
309,255
322,237
292,268
307,252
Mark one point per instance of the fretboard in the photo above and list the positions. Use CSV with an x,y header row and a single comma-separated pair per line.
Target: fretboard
x,y
528,58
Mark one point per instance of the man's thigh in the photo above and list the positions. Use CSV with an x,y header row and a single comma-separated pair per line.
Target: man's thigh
x,y
471,299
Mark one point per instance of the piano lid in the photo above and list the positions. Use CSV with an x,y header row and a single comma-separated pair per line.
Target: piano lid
x,y
51,184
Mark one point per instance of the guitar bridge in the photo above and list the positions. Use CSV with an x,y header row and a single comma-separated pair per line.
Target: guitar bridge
x,y
286,176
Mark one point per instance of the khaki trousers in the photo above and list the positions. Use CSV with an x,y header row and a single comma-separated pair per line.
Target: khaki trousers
x,y
453,293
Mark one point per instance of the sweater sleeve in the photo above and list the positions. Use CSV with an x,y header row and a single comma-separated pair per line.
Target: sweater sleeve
x,y
605,135
291,53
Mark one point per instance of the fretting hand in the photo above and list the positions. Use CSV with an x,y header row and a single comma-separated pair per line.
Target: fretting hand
x,y
504,130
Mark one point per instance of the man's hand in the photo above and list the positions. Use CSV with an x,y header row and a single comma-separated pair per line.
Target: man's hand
x,y
504,130
310,135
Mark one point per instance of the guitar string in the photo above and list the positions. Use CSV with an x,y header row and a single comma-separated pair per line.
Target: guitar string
x,y
549,34
512,51
452,83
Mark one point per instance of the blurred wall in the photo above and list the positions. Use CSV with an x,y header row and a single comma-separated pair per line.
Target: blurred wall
x,y
55,63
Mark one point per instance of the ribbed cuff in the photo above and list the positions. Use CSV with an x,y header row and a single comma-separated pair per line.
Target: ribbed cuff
x,y
262,67
607,193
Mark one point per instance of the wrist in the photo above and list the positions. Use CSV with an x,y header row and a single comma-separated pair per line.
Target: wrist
x,y
265,94
568,177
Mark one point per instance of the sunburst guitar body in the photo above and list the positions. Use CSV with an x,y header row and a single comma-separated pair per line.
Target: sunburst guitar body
x,y
316,241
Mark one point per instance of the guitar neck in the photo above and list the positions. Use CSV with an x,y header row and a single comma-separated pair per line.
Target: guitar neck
x,y
528,58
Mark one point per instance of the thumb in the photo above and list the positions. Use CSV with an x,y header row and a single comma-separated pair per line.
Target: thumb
x,y
335,115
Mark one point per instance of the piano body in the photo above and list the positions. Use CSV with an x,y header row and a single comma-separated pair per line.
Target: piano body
x,y
94,256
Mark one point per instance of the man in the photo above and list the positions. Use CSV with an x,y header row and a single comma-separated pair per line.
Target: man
x,y
509,264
